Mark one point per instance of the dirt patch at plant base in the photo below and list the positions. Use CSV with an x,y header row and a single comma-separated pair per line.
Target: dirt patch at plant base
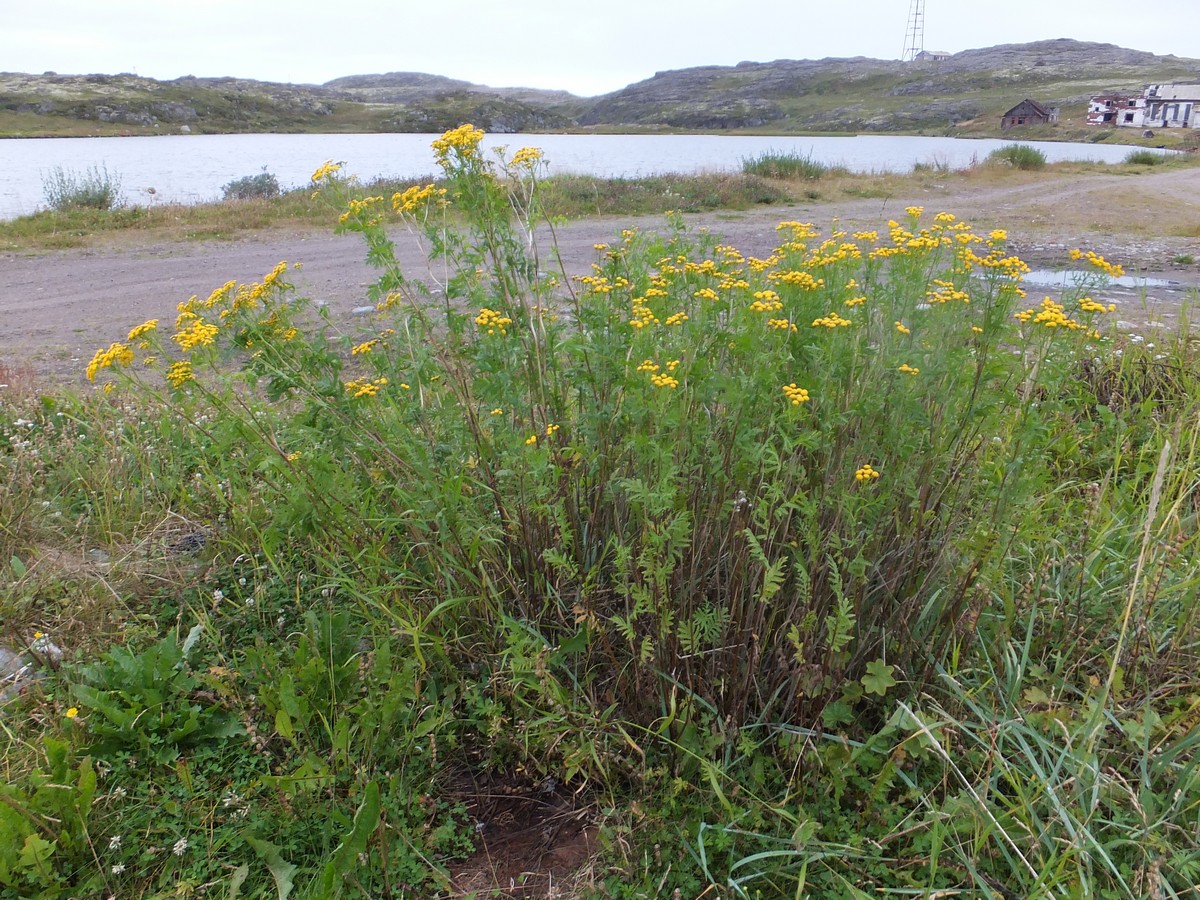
x,y
534,840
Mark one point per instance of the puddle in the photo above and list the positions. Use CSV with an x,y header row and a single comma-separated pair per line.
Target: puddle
x,y
1074,277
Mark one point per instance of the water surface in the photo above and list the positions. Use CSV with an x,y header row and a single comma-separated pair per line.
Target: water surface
x,y
193,168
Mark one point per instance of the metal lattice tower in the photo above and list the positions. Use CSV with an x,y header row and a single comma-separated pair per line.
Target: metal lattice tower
x,y
914,35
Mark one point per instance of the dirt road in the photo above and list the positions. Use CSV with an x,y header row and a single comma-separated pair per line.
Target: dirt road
x,y
56,308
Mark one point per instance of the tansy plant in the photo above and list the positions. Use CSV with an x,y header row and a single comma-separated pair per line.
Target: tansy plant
x,y
595,496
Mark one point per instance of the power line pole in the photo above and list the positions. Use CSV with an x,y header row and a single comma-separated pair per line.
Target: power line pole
x,y
914,35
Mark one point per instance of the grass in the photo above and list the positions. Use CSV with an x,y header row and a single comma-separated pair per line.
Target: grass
x,y
94,189
1019,156
1145,158
846,570
788,166
569,196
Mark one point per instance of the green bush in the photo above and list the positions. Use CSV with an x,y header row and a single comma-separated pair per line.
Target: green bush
x,y
788,165
263,186
843,569
1019,156
95,188
1145,158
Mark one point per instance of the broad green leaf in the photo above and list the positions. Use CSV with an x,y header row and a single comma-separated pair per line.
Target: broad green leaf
x,y
878,678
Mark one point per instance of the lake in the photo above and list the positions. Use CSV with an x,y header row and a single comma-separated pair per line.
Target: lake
x,y
193,168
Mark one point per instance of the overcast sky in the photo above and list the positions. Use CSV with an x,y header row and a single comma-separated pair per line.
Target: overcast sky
x,y
588,48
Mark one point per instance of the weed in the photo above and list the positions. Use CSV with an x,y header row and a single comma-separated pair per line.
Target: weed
x,y
1145,158
845,569
95,188
262,186
1019,156
788,165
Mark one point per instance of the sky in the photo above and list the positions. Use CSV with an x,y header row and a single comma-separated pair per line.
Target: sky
x,y
587,48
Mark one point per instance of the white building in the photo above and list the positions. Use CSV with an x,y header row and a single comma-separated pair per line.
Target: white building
x,y
1168,105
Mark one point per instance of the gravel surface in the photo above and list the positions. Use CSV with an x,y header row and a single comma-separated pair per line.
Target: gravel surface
x,y
58,307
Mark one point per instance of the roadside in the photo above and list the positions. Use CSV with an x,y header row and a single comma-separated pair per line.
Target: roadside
x,y
57,308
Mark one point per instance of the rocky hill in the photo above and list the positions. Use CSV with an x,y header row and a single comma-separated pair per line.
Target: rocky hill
x,y
963,94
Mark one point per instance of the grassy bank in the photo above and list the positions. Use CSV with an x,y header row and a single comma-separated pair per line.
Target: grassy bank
x,y
844,571
770,179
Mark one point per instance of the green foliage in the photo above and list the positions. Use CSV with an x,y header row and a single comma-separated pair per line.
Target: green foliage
x,y
263,186
1019,156
1145,158
95,188
839,572
788,165
145,702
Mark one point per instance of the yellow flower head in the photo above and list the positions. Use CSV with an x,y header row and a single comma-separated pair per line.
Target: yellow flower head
x,y
327,169
462,142
72,712
142,330
180,373
865,473
795,395
117,354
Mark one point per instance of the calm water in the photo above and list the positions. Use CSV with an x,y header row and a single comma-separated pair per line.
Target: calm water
x,y
193,168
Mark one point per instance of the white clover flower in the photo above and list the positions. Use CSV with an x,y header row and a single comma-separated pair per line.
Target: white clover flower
x,y
114,843
180,847
118,868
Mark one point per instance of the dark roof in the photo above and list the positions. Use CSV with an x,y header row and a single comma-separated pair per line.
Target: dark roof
x,y
1028,107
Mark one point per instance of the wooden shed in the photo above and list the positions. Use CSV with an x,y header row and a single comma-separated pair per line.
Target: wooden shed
x,y
1029,112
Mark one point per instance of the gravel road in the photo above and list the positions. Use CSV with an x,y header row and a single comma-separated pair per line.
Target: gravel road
x,y
57,307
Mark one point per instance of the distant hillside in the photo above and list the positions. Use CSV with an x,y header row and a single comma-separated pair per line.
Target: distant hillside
x,y
876,95
964,94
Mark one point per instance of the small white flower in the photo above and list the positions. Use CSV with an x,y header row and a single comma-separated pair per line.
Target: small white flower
x,y
218,595
180,847
242,582
118,868
114,842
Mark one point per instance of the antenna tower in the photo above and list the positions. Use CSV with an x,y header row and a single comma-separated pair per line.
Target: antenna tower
x,y
914,35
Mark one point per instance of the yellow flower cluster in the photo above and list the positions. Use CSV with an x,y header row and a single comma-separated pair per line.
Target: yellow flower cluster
x,y
491,321
946,293
142,330
900,327
676,318
463,141
706,294
855,301
356,207
909,370
1054,315
782,324
197,333
648,365
664,380
526,158
795,395
364,387
800,230
533,438
1087,304
327,169
833,320
1112,270
766,301
364,347
796,278
180,373
276,273
117,354
865,472
410,199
